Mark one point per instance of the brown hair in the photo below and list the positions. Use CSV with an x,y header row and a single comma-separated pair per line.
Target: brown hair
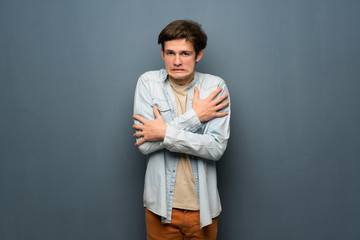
x,y
187,29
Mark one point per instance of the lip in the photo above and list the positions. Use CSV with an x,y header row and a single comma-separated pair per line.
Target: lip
x,y
178,70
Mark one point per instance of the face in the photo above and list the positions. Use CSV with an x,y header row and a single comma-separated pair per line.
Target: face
x,y
180,60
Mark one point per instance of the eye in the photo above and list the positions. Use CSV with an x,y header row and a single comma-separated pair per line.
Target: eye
x,y
169,53
186,54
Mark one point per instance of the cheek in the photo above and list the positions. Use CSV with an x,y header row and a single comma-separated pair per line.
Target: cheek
x,y
167,62
190,63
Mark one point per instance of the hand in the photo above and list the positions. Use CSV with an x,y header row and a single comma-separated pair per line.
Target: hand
x,y
150,130
208,108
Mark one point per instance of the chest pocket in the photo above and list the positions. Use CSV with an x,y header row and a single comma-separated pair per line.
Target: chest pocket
x,y
164,109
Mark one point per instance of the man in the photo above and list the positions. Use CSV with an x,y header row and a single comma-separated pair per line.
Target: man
x,y
182,123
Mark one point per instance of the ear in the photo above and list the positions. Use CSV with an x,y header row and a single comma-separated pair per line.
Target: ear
x,y
162,53
200,55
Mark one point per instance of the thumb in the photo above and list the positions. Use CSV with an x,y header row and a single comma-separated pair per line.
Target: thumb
x,y
156,112
196,93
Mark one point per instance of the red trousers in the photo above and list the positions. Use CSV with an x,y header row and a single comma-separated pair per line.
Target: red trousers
x,y
184,224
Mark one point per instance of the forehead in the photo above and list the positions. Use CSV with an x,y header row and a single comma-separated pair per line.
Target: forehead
x,y
179,45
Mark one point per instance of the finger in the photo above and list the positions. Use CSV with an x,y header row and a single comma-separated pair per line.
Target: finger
x,y
138,134
221,114
214,93
156,112
139,118
138,143
196,93
138,127
222,105
221,98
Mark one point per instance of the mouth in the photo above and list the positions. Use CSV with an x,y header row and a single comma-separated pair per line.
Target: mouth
x,y
178,70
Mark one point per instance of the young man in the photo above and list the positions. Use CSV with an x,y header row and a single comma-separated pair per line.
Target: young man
x,y
182,123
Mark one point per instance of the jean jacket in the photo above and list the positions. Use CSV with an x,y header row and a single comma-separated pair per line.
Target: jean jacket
x,y
204,142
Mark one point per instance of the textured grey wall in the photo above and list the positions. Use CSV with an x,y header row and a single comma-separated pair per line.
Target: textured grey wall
x,y
68,69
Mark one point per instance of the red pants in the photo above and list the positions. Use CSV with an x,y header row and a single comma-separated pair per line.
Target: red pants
x,y
184,224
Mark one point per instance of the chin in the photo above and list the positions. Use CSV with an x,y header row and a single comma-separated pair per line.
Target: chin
x,y
178,76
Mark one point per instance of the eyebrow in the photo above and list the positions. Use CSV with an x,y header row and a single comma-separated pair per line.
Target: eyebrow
x,y
183,51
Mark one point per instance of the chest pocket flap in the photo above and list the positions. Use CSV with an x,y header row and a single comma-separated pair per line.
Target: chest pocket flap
x,y
164,109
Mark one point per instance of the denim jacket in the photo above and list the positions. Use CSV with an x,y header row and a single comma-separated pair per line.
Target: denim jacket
x,y
204,142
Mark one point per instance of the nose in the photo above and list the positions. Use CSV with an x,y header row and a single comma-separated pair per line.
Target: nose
x,y
177,60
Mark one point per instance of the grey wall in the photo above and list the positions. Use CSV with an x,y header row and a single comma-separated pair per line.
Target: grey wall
x,y
68,69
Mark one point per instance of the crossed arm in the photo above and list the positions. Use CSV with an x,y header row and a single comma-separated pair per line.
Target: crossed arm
x,y
205,109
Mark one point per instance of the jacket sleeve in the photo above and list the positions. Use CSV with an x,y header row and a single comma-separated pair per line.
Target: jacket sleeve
x,y
143,105
210,144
